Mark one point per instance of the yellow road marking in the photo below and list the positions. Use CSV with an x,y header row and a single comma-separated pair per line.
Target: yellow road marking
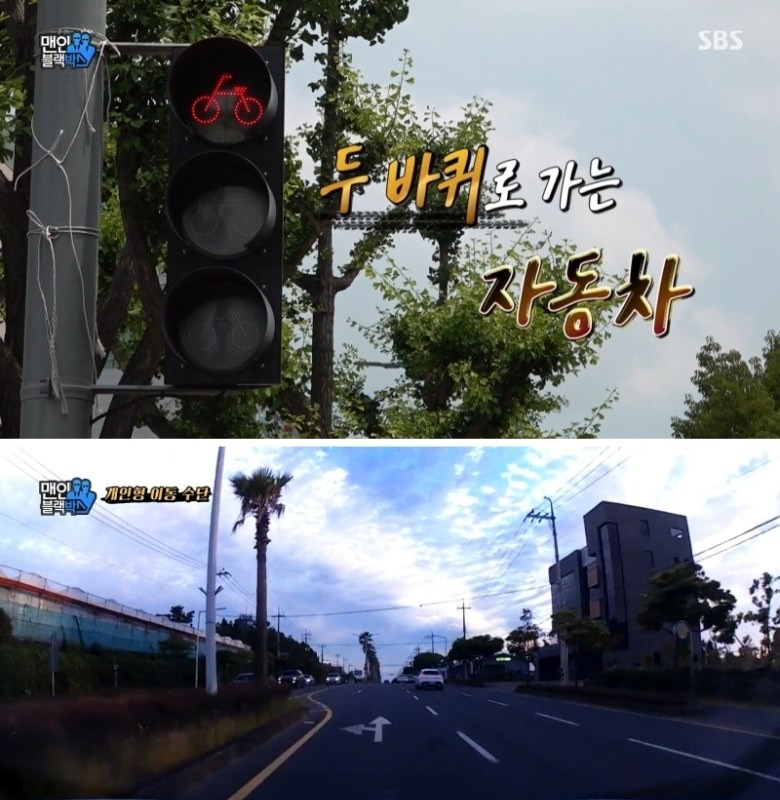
x,y
248,788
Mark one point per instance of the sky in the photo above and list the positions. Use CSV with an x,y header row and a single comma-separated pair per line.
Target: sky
x,y
694,136
390,540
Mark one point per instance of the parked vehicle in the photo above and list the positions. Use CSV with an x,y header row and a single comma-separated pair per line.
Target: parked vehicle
x,y
309,680
244,677
430,679
293,677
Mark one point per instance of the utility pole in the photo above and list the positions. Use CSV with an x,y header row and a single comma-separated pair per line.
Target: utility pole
x,y
562,649
322,654
433,647
211,580
464,608
58,372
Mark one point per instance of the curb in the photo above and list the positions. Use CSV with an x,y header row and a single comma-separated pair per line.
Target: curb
x,y
200,768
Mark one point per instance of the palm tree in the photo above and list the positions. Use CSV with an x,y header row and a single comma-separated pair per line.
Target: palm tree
x,y
366,641
260,494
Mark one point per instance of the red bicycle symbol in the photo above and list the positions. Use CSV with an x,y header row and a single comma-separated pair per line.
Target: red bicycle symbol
x,y
247,110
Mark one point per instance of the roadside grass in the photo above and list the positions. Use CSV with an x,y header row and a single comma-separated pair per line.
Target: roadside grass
x,y
106,747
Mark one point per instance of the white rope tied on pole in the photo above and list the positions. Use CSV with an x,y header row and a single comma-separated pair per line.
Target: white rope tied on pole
x,y
48,232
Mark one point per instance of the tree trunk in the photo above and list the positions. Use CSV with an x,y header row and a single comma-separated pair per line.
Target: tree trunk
x,y
322,338
261,651
324,293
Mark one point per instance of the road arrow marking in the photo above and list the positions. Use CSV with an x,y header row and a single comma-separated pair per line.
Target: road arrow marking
x,y
375,726
358,729
378,723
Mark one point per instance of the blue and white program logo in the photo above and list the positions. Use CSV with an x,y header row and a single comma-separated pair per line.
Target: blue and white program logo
x,y
74,50
66,497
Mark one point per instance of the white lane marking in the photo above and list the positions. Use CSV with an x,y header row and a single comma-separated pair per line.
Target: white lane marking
x,y
415,697
435,713
708,760
558,719
308,722
728,728
466,694
498,704
481,750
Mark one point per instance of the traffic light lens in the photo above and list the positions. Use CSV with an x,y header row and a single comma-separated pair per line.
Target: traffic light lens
x,y
223,91
220,204
222,323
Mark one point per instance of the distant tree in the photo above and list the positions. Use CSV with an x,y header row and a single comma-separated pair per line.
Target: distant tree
x,y
260,494
371,660
427,661
6,626
476,648
178,614
524,639
685,593
761,594
738,399
581,635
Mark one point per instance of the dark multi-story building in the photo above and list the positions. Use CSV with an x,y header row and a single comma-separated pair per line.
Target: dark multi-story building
x,y
625,546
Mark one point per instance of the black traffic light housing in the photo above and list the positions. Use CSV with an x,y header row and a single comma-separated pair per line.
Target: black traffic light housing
x,y
223,307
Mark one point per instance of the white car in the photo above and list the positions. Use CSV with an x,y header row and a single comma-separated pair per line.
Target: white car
x,y
429,679
333,678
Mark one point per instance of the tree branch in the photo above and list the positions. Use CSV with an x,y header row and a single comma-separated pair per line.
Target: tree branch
x,y
282,27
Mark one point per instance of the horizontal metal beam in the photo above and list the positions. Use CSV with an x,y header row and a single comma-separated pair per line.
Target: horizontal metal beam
x,y
147,48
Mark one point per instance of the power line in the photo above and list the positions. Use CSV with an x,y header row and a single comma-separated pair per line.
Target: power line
x,y
83,552
103,516
568,483
744,541
737,535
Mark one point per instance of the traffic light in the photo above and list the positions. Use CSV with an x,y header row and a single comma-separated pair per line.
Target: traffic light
x,y
222,317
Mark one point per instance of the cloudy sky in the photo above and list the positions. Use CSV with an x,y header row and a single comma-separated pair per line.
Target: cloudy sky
x,y
388,540
693,135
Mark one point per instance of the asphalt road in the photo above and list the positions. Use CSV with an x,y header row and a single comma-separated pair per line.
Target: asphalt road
x,y
390,742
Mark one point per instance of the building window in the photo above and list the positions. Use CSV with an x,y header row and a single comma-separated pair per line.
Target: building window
x,y
595,609
677,533
650,557
644,526
593,576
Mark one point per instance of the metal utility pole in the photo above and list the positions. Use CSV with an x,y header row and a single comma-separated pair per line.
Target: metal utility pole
x,y
562,649
197,643
322,654
464,608
62,256
211,581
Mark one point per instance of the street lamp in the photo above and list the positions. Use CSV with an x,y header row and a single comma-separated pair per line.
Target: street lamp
x,y
197,643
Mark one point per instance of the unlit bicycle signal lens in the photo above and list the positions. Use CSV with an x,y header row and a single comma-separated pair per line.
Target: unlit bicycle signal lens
x,y
224,206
